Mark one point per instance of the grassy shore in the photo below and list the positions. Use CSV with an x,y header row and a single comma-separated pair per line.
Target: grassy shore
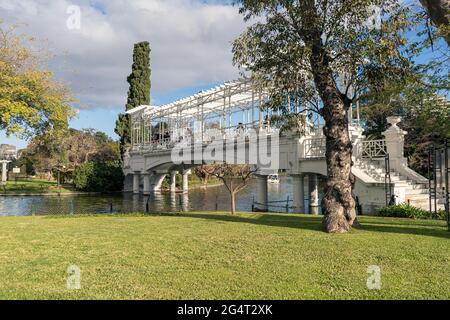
x,y
35,186
218,256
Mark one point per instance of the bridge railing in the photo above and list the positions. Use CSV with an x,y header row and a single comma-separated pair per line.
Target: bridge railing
x,y
370,149
155,145
373,149
207,137
314,148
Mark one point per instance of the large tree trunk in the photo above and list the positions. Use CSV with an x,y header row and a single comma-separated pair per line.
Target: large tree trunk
x,y
338,202
439,13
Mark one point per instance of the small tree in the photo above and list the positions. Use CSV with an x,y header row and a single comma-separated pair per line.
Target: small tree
x,y
234,177
203,174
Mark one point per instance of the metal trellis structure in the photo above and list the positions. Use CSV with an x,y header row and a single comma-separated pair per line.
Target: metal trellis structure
x,y
439,172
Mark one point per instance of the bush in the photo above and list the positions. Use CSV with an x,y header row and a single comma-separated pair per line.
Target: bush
x,y
440,215
99,177
405,210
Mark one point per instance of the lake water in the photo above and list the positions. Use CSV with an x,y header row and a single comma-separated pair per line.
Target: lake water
x,y
202,199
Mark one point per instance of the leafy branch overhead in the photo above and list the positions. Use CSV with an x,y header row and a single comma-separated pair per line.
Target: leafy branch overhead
x,y
364,52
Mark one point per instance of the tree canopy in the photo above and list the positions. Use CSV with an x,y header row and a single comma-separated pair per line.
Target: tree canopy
x,y
362,50
31,100
71,149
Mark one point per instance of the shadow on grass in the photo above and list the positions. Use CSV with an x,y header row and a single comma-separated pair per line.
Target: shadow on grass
x,y
315,224
272,220
408,222
427,230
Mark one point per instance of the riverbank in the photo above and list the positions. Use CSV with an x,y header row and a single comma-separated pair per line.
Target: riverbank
x,y
36,187
194,183
53,194
218,256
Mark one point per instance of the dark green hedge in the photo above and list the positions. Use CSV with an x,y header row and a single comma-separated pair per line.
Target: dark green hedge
x,y
405,210
99,177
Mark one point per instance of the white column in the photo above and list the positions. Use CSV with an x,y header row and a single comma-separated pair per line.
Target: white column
x,y
147,185
314,194
4,171
395,140
263,195
185,202
136,182
186,180
299,193
157,181
173,181
173,201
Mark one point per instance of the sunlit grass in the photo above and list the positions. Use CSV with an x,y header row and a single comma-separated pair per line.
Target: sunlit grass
x,y
218,256
34,186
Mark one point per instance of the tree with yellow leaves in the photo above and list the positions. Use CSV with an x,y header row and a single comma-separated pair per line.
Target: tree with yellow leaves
x,y
31,101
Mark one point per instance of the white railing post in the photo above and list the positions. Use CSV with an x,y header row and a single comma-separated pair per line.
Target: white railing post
x,y
395,143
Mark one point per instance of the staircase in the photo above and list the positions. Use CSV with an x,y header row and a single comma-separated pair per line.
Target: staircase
x,y
416,193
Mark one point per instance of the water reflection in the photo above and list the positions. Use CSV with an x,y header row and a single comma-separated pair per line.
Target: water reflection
x,y
209,199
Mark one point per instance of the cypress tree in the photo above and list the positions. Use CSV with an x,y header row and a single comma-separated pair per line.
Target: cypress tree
x,y
138,93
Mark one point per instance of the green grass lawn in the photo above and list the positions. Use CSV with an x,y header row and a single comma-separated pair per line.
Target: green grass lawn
x,y
35,186
217,256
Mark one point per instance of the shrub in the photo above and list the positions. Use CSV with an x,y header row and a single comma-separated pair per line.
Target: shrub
x,y
440,215
99,177
405,210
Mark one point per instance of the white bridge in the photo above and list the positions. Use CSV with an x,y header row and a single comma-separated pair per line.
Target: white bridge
x,y
226,124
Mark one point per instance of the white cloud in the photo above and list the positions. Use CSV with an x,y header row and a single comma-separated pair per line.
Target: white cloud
x,y
191,43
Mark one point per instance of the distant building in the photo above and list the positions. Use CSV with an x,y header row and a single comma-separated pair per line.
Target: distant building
x,y
8,152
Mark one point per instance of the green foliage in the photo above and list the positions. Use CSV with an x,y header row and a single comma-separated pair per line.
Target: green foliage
x,y
123,130
35,186
287,37
419,96
70,148
425,117
139,92
31,100
99,177
405,210
439,13
83,176
27,166
382,68
139,79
